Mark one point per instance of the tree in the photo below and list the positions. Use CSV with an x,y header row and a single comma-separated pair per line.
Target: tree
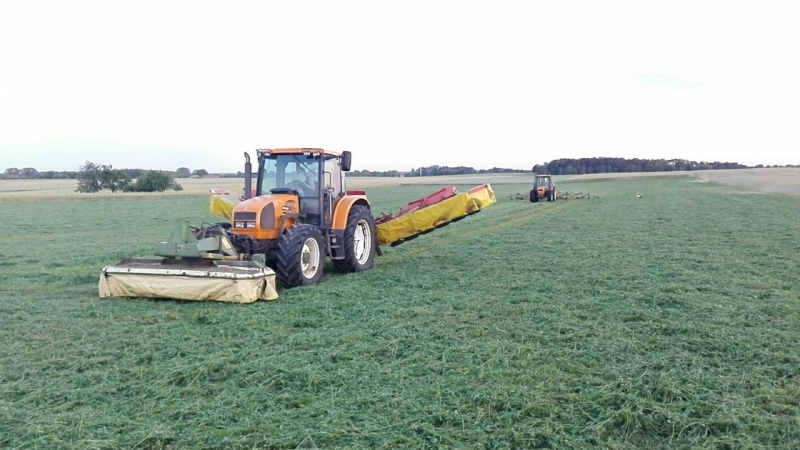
x,y
133,173
89,178
29,172
11,173
114,179
200,172
183,172
154,181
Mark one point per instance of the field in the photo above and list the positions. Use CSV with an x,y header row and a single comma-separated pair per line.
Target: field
x,y
667,321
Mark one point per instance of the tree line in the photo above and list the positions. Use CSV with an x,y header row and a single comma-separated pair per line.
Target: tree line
x,y
95,177
30,173
581,166
429,171
14,173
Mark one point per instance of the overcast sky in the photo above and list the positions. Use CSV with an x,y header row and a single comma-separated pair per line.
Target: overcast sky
x,y
164,84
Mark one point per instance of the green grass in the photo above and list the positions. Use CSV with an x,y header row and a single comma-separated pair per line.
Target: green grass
x,y
669,321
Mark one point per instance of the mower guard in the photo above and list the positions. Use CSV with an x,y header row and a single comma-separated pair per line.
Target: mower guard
x,y
223,202
223,281
436,210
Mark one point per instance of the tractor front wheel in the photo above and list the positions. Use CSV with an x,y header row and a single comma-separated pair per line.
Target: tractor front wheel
x,y
359,241
300,256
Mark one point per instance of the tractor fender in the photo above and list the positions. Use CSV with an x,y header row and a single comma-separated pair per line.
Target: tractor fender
x,y
343,207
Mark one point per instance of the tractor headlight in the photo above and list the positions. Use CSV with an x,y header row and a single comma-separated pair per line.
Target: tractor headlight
x,y
251,224
238,224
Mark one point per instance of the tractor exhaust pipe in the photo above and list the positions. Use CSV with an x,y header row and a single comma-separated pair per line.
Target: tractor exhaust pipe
x,y
248,176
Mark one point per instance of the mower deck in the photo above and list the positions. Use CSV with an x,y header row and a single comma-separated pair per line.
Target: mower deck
x,y
225,281
434,211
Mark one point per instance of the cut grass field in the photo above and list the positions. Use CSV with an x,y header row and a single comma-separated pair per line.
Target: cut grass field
x,y
669,321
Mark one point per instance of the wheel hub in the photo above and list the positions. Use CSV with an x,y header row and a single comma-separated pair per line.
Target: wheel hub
x,y
310,258
362,241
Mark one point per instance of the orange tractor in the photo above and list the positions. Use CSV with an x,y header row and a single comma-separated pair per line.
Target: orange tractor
x,y
543,188
302,213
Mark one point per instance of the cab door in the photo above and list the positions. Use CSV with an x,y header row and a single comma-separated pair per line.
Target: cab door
x,y
332,187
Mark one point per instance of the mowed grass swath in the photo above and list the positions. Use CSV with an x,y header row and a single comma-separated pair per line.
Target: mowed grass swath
x,y
667,321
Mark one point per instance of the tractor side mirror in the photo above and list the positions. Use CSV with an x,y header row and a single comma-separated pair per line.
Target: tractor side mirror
x,y
346,157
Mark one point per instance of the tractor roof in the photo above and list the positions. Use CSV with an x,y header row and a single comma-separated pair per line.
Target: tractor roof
x,y
295,151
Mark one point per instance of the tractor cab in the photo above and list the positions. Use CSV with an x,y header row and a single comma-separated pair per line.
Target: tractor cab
x,y
314,176
542,180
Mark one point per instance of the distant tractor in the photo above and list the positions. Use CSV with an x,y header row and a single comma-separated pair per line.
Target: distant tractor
x,y
543,188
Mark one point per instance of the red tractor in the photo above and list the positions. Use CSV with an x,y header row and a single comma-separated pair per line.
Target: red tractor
x,y
543,188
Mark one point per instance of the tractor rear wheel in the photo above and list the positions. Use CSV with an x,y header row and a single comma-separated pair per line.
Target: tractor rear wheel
x,y
300,256
359,241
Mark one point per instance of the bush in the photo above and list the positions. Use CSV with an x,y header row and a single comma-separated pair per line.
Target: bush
x,y
154,181
98,177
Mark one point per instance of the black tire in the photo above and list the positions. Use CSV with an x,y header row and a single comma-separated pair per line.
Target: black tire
x,y
533,196
359,217
296,244
549,195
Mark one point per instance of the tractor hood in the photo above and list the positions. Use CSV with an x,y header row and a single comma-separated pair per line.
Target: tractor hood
x,y
259,217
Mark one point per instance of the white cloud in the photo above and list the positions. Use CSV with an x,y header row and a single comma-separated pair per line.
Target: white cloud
x,y
162,84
